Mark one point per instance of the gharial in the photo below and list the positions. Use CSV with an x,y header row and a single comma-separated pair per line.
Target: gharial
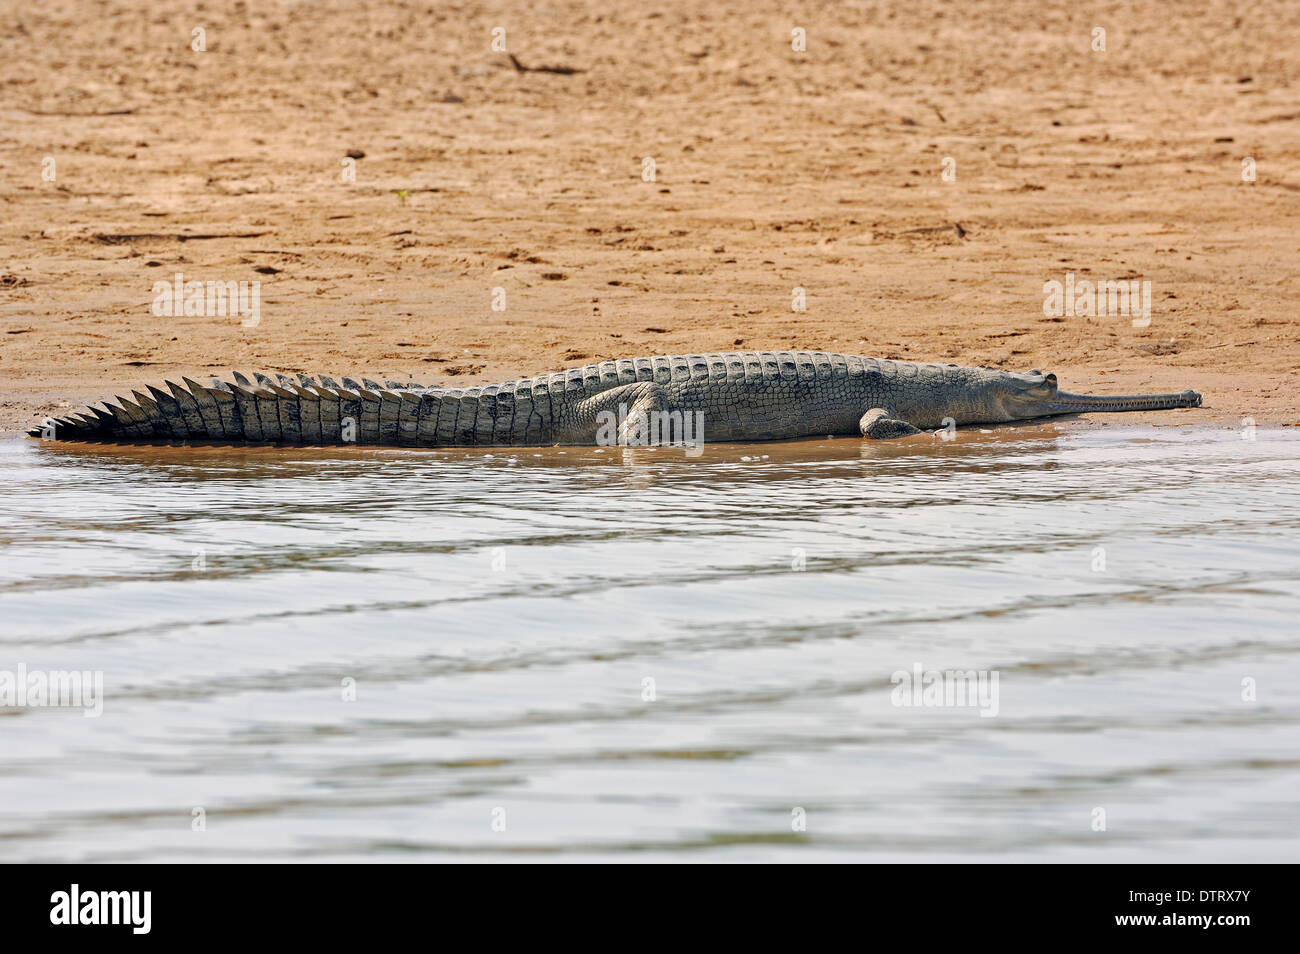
x,y
737,396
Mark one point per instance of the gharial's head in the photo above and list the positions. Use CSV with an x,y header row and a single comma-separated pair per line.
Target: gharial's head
x,y
1017,396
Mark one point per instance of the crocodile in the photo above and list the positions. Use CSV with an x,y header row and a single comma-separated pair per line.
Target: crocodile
x,y
736,396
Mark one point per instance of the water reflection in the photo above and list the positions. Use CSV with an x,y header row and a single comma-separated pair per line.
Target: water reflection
x,y
637,651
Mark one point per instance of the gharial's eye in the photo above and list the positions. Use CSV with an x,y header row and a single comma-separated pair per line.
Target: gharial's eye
x,y
1044,388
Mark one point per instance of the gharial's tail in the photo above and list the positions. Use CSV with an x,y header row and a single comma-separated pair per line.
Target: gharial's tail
x,y
299,410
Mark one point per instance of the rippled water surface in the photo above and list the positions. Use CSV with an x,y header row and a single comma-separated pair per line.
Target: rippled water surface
x,y
638,655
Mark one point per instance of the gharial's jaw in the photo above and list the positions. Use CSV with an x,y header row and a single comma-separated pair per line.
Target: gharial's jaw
x,y
1036,395
1067,403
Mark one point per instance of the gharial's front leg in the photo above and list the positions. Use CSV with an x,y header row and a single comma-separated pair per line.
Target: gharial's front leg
x,y
879,425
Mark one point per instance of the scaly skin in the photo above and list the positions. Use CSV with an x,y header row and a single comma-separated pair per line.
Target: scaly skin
x,y
742,396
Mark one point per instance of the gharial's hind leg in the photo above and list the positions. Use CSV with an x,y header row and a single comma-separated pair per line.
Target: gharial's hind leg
x,y
878,425
620,416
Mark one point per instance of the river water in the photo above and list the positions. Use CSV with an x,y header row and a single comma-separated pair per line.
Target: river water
x,y
580,653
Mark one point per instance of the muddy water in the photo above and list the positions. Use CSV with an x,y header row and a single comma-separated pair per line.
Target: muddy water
x,y
569,653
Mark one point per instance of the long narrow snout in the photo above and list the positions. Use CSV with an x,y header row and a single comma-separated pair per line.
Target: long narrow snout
x,y
1067,403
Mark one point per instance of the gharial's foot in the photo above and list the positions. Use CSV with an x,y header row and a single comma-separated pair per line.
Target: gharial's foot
x,y
878,425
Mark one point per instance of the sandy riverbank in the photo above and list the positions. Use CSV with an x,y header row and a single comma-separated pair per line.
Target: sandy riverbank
x,y
774,169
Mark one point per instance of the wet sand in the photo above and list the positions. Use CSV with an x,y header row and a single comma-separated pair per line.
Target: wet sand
x,y
773,169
